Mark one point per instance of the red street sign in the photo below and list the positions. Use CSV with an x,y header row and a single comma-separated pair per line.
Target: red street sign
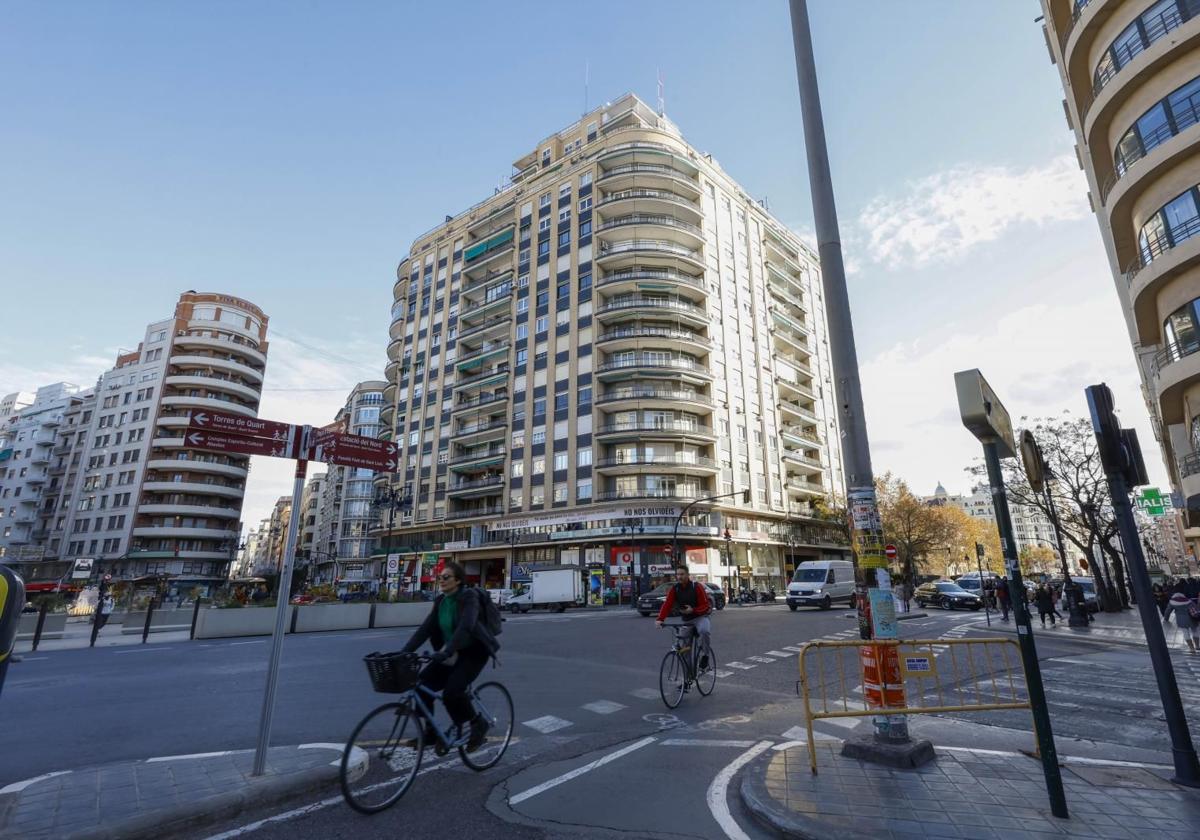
x,y
353,451
242,445
219,421
889,551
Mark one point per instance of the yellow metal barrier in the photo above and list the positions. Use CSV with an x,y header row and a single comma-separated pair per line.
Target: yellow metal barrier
x,y
983,675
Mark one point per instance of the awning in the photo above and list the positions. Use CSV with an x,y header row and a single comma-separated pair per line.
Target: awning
x,y
50,586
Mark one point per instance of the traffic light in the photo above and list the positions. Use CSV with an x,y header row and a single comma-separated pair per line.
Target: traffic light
x,y
745,497
1120,451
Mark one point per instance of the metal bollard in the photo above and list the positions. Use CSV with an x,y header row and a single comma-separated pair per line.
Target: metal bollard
x,y
146,626
195,615
37,631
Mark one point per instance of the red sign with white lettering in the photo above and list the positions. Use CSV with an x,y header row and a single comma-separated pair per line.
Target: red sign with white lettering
x,y
353,451
219,421
242,445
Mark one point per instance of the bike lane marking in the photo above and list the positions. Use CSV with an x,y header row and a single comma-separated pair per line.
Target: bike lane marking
x,y
718,791
579,771
547,724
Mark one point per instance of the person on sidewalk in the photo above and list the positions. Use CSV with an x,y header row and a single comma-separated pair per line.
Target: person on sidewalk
x,y
106,607
462,646
1043,597
1181,606
898,592
1002,597
1161,599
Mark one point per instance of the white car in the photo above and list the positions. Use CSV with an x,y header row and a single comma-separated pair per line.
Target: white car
x,y
501,596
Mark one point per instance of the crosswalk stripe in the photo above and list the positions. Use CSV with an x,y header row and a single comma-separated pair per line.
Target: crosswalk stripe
x,y
645,693
781,654
740,666
723,674
764,659
604,707
547,724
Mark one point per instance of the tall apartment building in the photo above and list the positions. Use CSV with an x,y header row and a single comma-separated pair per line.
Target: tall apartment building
x,y
1132,82
344,541
134,495
619,332
310,506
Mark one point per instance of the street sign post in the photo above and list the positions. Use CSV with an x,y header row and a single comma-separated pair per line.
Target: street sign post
x,y
353,450
242,445
237,424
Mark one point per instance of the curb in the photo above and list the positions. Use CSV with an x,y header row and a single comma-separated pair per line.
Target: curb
x,y
762,807
198,813
1076,637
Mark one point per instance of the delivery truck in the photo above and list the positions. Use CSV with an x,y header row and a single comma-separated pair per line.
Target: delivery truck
x,y
552,587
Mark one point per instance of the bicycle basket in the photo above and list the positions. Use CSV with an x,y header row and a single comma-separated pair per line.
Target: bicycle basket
x,y
392,673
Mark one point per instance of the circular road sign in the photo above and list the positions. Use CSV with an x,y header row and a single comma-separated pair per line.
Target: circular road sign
x,y
890,552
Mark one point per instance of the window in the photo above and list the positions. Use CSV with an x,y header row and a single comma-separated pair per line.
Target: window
x,y
543,323
585,396
564,239
518,438
537,497
562,402
1176,221
522,305
560,461
586,177
564,189
538,466
522,331
585,203
523,281
564,215
585,228
539,435
522,355
543,298
544,224
1170,116
544,248
585,283
560,491
518,469
544,200
539,406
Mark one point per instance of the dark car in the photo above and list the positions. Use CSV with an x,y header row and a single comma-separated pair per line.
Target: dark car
x,y
947,595
652,601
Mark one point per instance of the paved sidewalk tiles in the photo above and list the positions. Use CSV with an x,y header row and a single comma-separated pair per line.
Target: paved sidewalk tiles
x,y
974,794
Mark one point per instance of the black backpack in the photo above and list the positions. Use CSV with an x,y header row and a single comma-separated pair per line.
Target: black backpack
x,y
489,613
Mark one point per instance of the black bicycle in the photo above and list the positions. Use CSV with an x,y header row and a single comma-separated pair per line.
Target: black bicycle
x,y
685,665
383,755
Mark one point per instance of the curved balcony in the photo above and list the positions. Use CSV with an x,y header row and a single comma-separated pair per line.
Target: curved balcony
x,y
480,401
674,495
492,485
165,532
1183,116
494,326
797,459
389,393
1161,261
186,465
803,489
648,150
391,369
667,429
638,463
211,383
483,379
491,307
646,201
631,337
221,345
647,396
209,403
1176,368
625,308
643,226
395,349
475,513
478,459
658,253
189,361
652,365
642,278
199,487
649,176
190,510
1152,30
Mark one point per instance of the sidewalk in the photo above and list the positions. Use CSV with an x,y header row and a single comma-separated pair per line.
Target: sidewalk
x,y
78,634
1122,628
157,796
964,793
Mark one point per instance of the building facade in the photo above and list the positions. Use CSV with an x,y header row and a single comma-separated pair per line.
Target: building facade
x,y
618,334
1031,527
130,491
1132,81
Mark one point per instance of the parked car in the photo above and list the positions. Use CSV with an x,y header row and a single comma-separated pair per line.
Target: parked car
x,y
501,596
946,594
652,601
716,594
818,583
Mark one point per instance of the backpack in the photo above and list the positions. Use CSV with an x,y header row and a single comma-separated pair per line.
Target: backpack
x,y
489,613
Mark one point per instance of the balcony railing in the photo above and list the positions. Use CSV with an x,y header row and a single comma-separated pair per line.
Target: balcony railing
x,y
479,377
490,481
485,350
1184,115
654,332
653,274
1157,245
481,427
1153,29
681,495
661,246
1190,465
678,460
1173,352
653,362
647,169
646,219
648,393
472,513
658,195
652,303
484,325
478,455
682,426
482,399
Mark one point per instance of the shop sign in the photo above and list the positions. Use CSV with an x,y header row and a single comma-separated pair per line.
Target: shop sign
x,y
649,530
457,545
572,517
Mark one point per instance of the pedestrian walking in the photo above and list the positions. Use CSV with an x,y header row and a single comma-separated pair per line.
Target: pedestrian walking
x,y
260,594
1043,597
1002,597
898,593
1187,617
106,607
1162,599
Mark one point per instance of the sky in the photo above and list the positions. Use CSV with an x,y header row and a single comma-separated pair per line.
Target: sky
x,y
288,153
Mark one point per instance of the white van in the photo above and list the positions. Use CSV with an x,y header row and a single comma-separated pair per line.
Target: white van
x,y
818,583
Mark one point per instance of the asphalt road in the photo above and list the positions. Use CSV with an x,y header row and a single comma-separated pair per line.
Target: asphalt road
x,y
585,688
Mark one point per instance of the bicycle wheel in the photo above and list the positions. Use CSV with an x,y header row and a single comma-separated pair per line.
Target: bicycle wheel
x,y
706,678
494,703
382,758
672,679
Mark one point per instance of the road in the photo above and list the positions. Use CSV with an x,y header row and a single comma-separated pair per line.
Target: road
x,y
585,688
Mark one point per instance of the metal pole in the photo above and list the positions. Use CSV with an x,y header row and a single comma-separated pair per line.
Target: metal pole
x,y
1033,668
282,603
1076,609
41,621
982,592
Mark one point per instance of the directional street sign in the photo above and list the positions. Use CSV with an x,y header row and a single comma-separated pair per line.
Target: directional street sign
x,y
353,451
242,445
219,421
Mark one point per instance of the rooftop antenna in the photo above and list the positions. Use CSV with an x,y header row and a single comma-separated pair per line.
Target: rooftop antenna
x,y
662,103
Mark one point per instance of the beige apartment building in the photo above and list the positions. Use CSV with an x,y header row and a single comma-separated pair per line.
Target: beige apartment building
x,y
617,333
1131,72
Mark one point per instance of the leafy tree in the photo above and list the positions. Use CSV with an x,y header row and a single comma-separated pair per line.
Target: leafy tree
x,y
963,531
1039,560
919,532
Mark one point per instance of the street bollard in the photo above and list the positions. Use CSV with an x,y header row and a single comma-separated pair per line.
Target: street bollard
x,y
12,599
149,615
37,631
196,614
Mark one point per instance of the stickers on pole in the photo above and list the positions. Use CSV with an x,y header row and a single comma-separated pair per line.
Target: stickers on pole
x,y
883,614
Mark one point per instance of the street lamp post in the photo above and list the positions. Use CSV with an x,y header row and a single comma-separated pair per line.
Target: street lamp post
x,y
745,494
391,499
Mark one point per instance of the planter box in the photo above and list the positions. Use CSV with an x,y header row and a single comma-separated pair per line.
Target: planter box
x,y
212,623
317,617
54,627
400,615
163,621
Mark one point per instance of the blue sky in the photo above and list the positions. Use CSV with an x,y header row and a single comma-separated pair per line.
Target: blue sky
x,y
289,153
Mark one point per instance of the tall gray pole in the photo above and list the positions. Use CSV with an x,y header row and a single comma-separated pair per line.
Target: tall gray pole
x,y
866,526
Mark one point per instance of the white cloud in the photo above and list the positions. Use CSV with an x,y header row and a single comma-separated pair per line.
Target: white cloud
x,y
1038,358
941,217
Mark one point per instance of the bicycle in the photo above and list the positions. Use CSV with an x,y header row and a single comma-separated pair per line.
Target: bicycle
x,y
383,756
681,667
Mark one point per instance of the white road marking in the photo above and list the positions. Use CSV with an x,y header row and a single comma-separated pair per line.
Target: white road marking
x,y
1063,759
796,733
765,659
718,792
740,666
32,658
604,707
723,674
17,787
579,771
779,653
547,724
255,642
793,648
190,756
844,723
704,742
142,650
645,693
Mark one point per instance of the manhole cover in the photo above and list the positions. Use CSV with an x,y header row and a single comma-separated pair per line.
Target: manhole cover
x,y
1122,777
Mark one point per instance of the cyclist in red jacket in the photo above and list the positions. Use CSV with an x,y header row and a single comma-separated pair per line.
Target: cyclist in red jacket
x,y
690,600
